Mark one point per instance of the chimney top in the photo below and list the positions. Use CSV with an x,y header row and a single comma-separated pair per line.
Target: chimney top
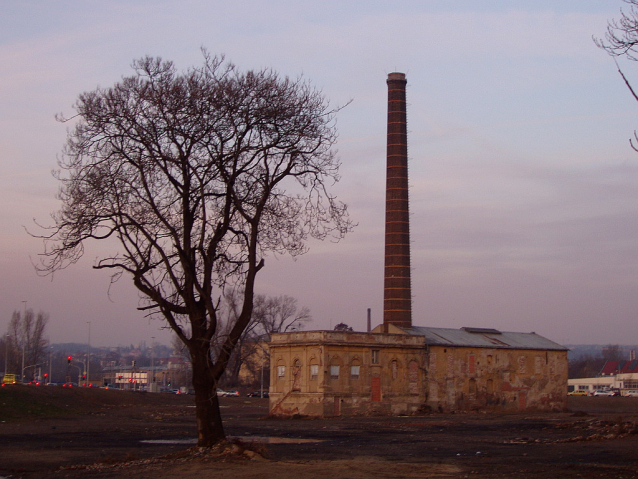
x,y
396,76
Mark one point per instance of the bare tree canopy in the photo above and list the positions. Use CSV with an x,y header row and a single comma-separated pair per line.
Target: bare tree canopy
x,y
279,314
199,175
271,314
26,343
621,39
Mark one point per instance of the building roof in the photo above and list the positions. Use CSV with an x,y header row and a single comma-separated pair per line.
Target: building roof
x,y
619,367
483,338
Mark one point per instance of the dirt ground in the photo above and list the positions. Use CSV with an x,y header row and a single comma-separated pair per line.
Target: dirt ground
x,y
56,433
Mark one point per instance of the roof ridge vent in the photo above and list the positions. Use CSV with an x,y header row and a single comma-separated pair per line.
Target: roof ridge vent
x,y
482,330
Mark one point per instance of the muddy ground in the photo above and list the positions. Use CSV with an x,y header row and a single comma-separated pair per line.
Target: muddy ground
x,y
56,433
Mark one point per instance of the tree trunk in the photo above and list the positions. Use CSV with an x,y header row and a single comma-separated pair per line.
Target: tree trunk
x,y
210,429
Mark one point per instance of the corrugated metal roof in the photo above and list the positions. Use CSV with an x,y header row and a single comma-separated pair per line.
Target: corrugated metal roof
x,y
483,338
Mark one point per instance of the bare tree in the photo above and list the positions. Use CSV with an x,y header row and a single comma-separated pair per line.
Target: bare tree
x,y
199,175
26,341
621,39
271,314
613,352
280,314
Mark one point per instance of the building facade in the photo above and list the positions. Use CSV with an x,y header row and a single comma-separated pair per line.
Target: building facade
x,y
404,371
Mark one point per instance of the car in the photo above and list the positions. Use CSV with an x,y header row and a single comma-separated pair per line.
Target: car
x,y
632,393
221,392
9,379
231,392
601,392
258,394
577,393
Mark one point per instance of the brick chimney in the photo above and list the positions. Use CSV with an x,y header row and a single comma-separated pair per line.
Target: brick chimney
x,y
397,298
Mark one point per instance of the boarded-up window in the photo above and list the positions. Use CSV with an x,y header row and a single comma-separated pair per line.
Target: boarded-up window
x,y
334,372
413,377
539,365
296,376
521,365
490,386
472,386
450,366
413,371
395,369
471,364
433,364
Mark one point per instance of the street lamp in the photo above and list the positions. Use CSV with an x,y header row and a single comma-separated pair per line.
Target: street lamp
x,y
88,357
50,361
6,354
151,386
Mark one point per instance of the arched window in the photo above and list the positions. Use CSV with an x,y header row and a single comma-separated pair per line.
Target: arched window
x,y
281,370
296,375
472,386
335,367
355,369
314,370
394,369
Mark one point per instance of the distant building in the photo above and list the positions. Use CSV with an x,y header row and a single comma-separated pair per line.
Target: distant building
x,y
617,375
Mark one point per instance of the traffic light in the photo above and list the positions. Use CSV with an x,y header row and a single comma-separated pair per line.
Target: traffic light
x,y
68,359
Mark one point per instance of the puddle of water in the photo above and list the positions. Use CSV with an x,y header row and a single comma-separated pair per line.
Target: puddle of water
x,y
278,440
264,439
169,441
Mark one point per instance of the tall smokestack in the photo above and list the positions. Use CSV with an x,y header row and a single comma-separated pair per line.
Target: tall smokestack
x,y
397,298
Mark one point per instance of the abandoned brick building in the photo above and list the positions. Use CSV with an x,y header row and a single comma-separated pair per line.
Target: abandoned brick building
x,y
398,368
326,373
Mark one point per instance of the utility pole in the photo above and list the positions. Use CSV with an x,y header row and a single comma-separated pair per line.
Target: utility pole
x,y
88,357
24,340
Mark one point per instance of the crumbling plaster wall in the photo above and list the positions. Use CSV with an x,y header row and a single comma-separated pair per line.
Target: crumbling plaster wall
x,y
346,373
463,378
324,373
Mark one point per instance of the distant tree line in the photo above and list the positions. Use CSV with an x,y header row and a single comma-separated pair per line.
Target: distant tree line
x,y
589,365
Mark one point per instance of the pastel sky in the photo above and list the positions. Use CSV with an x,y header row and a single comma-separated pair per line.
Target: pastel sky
x,y
524,189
